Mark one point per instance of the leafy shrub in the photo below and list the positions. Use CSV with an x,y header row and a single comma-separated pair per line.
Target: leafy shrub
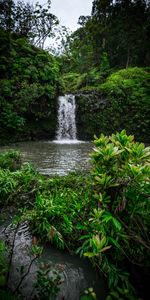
x,y
3,264
29,84
10,160
20,186
121,101
61,206
70,81
8,184
119,225
131,82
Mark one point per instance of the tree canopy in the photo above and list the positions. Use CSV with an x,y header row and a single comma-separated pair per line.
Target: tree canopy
x,y
119,28
35,22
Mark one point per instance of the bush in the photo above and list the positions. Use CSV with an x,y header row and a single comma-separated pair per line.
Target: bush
x,y
61,207
128,91
10,160
119,225
29,85
19,187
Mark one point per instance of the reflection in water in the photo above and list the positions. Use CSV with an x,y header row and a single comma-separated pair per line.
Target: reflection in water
x,y
53,157
78,273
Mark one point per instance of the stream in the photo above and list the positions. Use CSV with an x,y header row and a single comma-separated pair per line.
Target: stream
x,y
76,274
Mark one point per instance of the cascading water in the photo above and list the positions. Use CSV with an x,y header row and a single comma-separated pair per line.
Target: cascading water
x,y
66,118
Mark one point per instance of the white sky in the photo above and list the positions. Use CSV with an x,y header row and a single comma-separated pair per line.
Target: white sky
x,y
68,11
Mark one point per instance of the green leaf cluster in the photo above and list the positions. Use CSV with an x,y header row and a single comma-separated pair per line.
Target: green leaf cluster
x,y
119,101
29,85
120,224
10,160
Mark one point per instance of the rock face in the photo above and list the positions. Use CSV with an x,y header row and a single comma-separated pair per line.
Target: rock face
x,y
89,109
76,275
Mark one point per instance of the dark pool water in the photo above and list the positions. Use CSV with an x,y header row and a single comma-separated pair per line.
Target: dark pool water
x,y
53,157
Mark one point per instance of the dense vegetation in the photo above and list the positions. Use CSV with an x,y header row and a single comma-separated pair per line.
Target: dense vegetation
x,y
29,86
122,101
103,215
115,36
29,80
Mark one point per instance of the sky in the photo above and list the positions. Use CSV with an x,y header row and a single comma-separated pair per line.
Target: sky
x,y
68,11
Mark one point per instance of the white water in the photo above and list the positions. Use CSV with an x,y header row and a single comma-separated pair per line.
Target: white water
x,y
66,132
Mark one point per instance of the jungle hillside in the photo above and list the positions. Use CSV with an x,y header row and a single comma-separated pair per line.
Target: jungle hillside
x,y
105,62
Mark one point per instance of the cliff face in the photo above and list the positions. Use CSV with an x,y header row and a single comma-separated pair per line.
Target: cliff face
x,y
41,120
89,109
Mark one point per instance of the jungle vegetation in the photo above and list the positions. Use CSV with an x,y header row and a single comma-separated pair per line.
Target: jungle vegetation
x,y
115,36
104,214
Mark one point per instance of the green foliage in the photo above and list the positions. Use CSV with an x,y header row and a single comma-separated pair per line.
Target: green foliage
x,y
29,83
48,281
121,294
119,225
89,294
115,35
17,187
104,217
10,160
71,81
121,101
59,210
126,82
104,64
3,264
8,184
34,22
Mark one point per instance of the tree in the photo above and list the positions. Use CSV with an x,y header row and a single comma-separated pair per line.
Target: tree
x,y
7,14
119,28
36,23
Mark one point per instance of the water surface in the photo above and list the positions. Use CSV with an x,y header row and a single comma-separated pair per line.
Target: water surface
x,y
55,157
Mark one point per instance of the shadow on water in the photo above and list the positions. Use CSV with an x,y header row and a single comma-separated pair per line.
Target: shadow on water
x,y
76,274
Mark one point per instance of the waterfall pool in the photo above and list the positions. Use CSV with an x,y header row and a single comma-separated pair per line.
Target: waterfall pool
x,y
59,157
55,157
63,155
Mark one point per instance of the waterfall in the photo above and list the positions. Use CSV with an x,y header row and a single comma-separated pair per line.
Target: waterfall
x,y
66,118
